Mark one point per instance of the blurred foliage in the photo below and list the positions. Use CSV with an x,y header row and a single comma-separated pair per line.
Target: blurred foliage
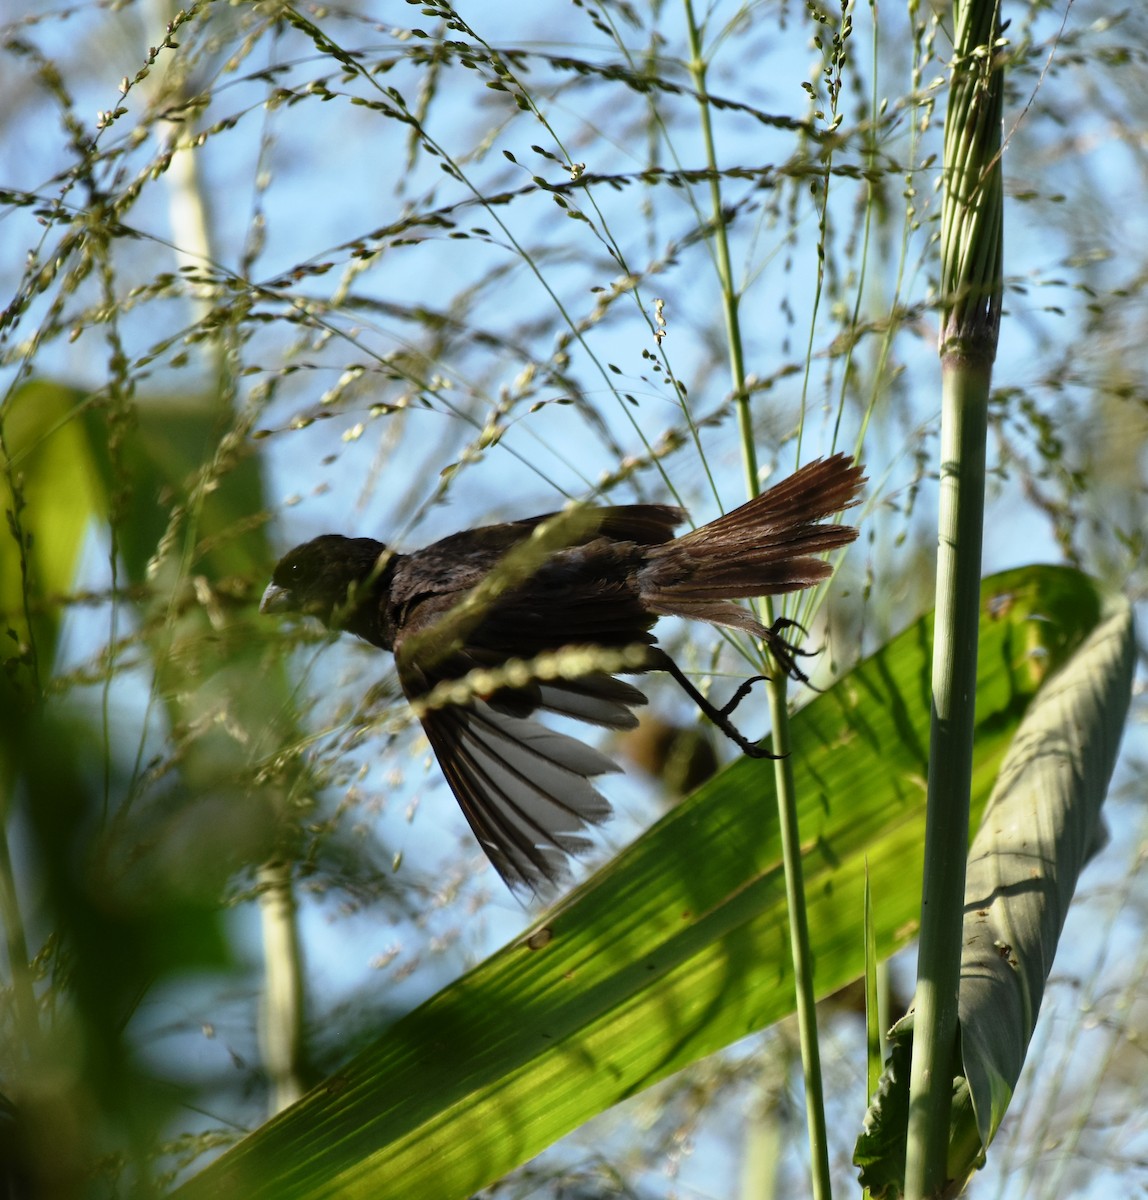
x,y
116,927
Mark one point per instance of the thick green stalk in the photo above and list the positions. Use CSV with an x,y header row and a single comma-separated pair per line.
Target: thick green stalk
x,y
963,431
971,266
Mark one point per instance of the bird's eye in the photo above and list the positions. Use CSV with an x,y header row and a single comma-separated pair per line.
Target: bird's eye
x,y
290,574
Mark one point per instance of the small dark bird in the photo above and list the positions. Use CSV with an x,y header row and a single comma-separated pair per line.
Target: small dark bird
x,y
463,615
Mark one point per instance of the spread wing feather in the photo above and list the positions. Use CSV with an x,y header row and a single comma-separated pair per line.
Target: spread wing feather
x,y
524,789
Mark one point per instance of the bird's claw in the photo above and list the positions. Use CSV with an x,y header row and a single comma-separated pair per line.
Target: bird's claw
x,y
785,652
757,750
741,694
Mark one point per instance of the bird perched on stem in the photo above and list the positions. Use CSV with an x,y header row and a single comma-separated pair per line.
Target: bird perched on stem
x,y
491,625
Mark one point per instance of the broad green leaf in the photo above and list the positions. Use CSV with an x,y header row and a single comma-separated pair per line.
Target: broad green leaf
x,y
171,455
1041,825
183,455
677,948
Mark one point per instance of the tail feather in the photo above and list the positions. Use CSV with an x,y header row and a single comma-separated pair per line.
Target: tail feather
x,y
790,508
763,548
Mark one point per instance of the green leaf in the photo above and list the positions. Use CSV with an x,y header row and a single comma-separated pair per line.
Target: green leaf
x,y
677,948
1041,826
60,489
181,454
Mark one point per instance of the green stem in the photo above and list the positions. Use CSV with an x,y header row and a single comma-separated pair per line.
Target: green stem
x,y
799,938
281,1028
778,700
963,435
729,295
971,275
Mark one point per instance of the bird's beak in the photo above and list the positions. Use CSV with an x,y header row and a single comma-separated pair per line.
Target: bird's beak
x,y
276,600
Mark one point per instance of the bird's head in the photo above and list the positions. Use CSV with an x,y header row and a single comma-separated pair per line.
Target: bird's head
x,y
335,578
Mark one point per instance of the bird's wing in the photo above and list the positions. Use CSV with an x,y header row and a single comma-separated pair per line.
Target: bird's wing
x,y
524,789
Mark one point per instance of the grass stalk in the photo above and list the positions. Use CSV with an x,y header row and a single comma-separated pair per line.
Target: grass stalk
x,y
776,689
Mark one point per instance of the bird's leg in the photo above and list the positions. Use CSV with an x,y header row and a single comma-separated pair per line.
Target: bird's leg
x,y
784,652
663,662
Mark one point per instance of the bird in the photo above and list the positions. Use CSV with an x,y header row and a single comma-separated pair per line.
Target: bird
x,y
493,625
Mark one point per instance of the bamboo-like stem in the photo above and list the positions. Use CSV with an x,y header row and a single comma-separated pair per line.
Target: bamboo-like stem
x,y
281,1029
281,1032
963,434
971,267
778,705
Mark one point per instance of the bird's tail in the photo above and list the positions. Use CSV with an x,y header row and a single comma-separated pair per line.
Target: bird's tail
x,y
763,548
